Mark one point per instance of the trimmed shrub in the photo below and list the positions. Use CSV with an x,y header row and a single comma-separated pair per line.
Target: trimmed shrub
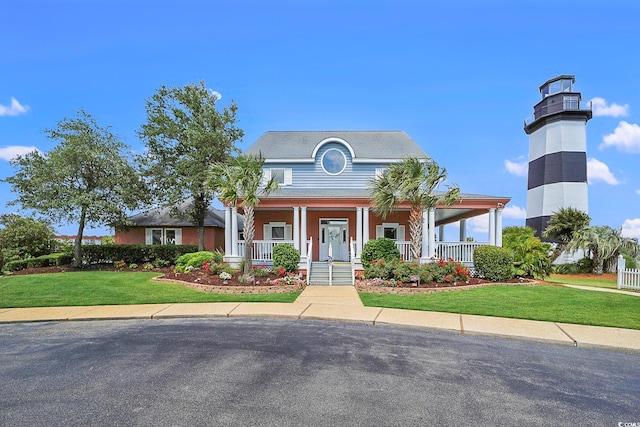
x,y
138,254
41,261
379,269
196,259
287,257
585,265
380,248
493,263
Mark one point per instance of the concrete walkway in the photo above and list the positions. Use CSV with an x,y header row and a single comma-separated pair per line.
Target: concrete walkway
x,y
343,304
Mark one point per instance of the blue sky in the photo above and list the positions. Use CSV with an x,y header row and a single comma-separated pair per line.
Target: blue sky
x,y
458,76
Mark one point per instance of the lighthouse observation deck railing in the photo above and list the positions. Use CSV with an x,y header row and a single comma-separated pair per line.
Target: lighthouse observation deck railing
x,y
568,103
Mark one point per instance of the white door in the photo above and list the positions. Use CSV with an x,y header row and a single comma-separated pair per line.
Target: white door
x,y
333,234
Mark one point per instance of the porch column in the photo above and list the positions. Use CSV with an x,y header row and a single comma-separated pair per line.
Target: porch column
x,y
463,230
365,226
499,227
425,235
441,233
432,233
227,230
234,231
296,227
492,226
358,232
304,235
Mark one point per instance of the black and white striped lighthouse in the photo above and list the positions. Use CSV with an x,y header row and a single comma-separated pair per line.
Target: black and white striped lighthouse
x,y
557,152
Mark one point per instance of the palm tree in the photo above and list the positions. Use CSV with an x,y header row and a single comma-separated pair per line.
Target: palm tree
x,y
241,180
413,180
603,242
562,226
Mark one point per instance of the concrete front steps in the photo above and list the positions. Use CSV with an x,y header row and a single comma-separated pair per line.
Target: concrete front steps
x,y
320,274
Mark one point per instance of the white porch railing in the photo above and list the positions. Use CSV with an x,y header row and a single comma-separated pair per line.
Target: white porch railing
x,y
309,253
458,251
627,278
405,249
262,249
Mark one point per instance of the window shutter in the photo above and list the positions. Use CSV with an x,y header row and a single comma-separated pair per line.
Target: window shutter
x,y
401,234
267,232
379,232
178,236
287,232
148,237
266,176
288,176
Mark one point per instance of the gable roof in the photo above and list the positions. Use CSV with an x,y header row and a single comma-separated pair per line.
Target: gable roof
x,y
162,217
388,145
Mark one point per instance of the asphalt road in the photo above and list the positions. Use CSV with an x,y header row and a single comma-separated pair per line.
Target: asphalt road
x,y
250,372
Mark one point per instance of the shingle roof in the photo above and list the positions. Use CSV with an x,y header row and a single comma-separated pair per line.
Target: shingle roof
x,y
162,216
365,144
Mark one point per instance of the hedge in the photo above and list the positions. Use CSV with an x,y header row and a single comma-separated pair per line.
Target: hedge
x,y
41,261
134,254
380,248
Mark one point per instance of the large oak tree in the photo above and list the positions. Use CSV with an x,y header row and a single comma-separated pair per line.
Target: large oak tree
x,y
185,134
86,178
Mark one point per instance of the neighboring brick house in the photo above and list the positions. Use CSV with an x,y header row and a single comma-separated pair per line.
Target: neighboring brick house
x,y
159,227
323,204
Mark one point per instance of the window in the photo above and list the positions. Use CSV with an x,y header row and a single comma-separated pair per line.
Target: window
x,y
571,103
163,236
283,176
277,231
277,175
390,233
393,231
333,161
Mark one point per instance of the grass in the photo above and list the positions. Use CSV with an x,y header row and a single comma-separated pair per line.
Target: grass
x,y
110,287
546,303
604,281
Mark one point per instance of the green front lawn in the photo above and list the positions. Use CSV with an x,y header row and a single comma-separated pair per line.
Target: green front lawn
x,y
110,287
547,303
605,281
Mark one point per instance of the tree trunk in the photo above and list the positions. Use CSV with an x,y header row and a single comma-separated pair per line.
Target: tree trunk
x,y
415,231
557,251
201,213
77,244
249,233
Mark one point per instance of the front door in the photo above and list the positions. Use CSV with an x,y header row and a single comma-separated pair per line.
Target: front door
x,y
333,238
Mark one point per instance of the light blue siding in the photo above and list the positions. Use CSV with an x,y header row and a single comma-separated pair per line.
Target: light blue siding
x,y
312,175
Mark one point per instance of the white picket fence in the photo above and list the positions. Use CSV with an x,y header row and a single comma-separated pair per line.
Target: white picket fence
x,y
627,278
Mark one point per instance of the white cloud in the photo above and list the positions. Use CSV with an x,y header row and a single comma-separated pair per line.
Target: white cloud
x,y
216,94
479,224
631,228
514,212
598,171
600,108
515,168
626,137
13,151
638,192
14,109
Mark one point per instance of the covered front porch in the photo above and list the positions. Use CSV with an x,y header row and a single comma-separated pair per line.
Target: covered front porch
x,y
323,227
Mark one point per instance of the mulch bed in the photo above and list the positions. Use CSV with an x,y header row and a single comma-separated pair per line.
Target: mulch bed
x,y
208,282
427,288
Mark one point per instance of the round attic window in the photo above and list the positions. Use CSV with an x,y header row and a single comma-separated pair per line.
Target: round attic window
x,y
333,161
